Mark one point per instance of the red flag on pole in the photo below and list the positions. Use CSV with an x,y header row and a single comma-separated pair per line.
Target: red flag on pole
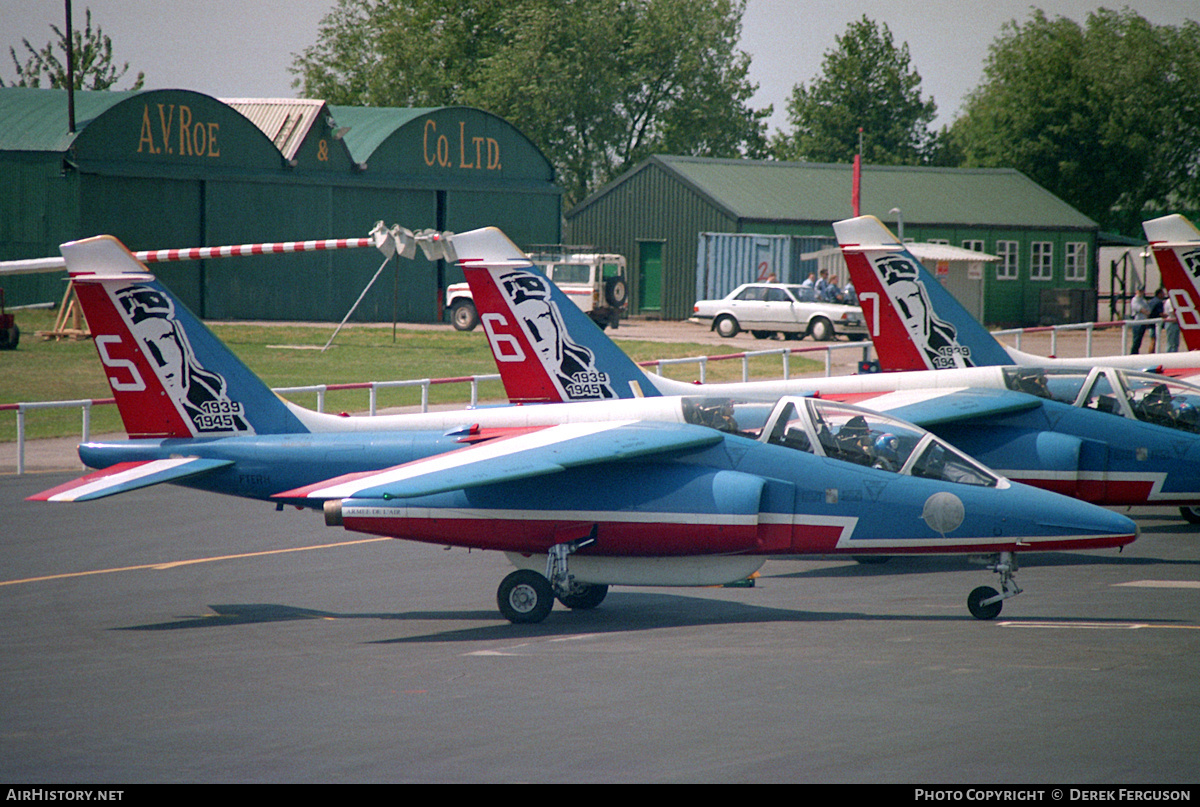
x,y
856,189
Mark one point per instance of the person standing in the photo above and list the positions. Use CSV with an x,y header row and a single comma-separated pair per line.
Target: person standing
x,y
1139,309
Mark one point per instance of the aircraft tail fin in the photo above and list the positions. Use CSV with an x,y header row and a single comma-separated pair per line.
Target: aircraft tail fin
x,y
915,323
170,375
1176,245
546,348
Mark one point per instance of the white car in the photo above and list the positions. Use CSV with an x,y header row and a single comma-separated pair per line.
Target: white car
x,y
765,309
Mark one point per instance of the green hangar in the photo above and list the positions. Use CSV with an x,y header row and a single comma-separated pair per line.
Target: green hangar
x,y
174,168
656,212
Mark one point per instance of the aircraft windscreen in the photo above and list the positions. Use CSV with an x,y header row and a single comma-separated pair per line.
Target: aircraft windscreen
x,y
1164,402
871,439
1054,385
746,418
940,461
862,437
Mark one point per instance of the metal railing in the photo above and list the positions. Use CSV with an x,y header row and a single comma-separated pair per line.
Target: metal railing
x,y
784,352
657,364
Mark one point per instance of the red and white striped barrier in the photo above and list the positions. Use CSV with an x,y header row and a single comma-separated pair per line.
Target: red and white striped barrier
x,y
388,241
276,248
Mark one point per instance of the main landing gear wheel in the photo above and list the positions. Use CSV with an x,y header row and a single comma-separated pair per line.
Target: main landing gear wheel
x,y
525,597
1190,514
584,596
976,599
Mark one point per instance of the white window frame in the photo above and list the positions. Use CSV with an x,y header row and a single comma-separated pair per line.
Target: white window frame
x,y
973,244
1041,260
1075,264
1009,266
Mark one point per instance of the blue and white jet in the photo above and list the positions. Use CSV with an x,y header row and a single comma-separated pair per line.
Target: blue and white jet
x,y
670,491
1109,436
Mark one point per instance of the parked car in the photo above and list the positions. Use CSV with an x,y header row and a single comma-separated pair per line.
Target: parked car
x,y
593,281
765,309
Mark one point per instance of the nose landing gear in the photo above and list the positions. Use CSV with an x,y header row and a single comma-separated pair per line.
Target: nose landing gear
x,y
985,602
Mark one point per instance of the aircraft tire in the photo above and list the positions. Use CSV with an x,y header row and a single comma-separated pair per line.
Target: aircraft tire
x,y
585,596
980,611
1190,514
525,597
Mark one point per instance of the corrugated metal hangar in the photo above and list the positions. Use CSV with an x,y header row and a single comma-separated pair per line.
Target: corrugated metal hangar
x,y
175,168
656,212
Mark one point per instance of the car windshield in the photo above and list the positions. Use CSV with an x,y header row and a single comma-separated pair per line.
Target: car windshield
x,y
571,273
860,436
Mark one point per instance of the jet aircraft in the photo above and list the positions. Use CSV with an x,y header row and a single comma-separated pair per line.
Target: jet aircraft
x,y
916,324
1108,436
670,491
1175,242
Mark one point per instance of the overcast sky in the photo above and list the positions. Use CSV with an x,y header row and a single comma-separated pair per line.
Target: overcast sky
x,y
243,48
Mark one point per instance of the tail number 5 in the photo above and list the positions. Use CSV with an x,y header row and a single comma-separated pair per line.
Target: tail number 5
x,y
135,384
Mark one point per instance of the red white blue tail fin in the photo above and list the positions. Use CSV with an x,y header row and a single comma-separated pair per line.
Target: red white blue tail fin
x,y
170,375
1176,245
914,322
546,348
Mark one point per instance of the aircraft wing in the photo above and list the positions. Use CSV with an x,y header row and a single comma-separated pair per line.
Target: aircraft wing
x,y
532,454
126,476
935,407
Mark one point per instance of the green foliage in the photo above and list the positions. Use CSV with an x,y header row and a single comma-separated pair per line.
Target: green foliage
x,y
597,85
868,82
93,63
1103,114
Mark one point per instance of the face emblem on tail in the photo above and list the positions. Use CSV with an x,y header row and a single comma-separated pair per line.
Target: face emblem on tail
x,y
571,365
935,337
199,394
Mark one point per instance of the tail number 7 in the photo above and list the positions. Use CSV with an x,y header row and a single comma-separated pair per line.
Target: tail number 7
x,y
874,298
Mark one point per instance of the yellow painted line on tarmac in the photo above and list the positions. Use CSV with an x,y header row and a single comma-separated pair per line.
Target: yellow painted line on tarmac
x,y
177,563
1095,625
1162,584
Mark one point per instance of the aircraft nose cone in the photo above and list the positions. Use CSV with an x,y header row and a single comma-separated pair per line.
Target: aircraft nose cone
x,y
1083,519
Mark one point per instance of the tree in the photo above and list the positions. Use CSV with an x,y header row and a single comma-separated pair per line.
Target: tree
x,y
1103,114
868,82
597,85
93,63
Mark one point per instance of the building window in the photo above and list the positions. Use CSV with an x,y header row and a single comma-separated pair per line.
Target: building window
x,y
1076,261
942,241
973,245
1008,252
1041,264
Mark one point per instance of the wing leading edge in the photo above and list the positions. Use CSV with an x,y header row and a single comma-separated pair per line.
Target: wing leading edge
x,y
508,459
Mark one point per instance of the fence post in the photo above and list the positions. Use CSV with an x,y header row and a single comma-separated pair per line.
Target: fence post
x,y
20,439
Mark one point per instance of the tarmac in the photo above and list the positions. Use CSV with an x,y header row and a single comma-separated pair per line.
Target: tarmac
x,y
59,454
